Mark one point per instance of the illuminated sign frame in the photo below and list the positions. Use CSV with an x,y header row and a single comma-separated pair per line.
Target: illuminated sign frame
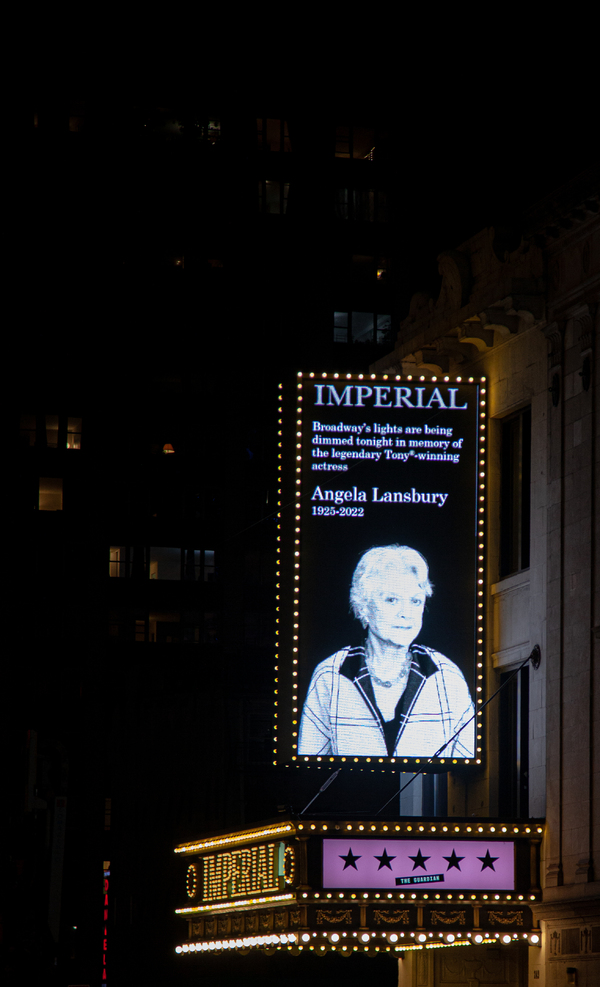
x,y
375,461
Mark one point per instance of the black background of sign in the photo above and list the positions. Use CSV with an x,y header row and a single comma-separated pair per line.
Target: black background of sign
x,y
446,536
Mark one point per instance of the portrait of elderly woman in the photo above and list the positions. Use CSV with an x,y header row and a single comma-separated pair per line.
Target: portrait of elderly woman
x,y
389,697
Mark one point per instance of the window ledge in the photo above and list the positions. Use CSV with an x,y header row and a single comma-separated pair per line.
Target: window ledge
x,y
517,581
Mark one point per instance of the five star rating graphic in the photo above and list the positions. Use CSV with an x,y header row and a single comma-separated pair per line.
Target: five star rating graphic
x,y
462,864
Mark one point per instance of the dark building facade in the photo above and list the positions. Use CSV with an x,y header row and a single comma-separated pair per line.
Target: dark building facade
x,y
525,314
191,256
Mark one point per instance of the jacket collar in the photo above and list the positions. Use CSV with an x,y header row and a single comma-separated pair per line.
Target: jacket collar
x,y
354,665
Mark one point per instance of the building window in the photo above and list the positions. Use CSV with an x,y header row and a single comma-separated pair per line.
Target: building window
x,y
27,430
194,127
355,142
50,497
117,565
50,431
156,627
161,563
365,270
73,433
273,134
165,563
361,327
273,197
513,773
515,493
361,205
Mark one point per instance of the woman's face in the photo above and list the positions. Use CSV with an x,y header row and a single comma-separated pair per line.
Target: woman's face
x,y
395,612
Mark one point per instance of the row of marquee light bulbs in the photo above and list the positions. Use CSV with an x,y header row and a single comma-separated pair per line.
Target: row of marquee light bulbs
x,y
421,938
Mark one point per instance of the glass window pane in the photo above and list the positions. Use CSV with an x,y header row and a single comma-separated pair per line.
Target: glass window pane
x,y
341,203
340,327
191,564
273,135
165,628
50,493
27,430
364,205
209,565
214,131
272,197
165,563
74,433
384,329
118,561
362,327
363,139
52,431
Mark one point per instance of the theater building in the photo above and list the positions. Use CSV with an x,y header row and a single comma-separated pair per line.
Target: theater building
x,y
520,313
525,314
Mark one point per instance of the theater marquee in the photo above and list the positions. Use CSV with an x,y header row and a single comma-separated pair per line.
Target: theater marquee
x,y
368,886
396,465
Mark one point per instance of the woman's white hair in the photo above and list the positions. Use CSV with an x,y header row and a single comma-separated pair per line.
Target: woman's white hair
x,y
377,564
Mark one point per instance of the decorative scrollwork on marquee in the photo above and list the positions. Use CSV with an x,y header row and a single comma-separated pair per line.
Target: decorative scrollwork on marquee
x,y
448,918
323,916
505,918
392,918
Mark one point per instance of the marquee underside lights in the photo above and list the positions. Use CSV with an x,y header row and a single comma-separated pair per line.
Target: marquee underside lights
x,y
333,942
365,462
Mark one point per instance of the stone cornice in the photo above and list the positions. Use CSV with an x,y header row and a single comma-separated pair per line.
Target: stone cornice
x,y
482,301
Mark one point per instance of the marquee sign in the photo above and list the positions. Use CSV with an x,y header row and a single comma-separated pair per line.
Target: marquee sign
x,y
371,885
381,588
391,864
249,871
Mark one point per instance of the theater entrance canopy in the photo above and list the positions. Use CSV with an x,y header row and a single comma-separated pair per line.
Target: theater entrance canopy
x,y
359,886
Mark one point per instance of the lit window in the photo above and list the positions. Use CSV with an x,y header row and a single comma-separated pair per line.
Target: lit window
x,y
50,494
52,431
273,134
161,563
209,570
361,327
73,433
118,561
355,142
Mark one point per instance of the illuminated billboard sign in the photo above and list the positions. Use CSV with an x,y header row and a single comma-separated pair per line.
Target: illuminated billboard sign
x,y
400,864
382,519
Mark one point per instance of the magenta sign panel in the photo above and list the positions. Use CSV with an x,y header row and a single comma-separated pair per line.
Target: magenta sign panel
x,y
409,864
